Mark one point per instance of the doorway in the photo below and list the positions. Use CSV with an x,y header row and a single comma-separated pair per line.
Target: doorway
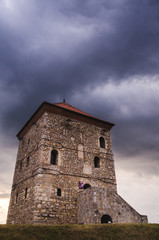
x,y
106,219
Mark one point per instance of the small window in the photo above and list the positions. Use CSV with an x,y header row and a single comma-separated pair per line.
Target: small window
x,y
26,193
96,162
16,197
28,160
59,192
20,165
86,186
102,142
53,160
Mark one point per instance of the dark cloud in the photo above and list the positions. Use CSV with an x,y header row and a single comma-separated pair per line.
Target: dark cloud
x,y
50,50
122,41
137,135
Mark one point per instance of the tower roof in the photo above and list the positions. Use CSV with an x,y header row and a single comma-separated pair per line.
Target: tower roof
x,y
66,110
71,108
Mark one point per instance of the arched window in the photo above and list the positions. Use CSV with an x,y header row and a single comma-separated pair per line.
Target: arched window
x,y
86,186
96,162
53,160
106,219
102,142
28,160
26,193
59,192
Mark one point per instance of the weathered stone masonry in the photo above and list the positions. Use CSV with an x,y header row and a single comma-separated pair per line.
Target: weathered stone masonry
x,y
45,193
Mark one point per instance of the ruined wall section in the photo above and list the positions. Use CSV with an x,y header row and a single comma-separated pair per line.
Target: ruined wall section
x,y
93,203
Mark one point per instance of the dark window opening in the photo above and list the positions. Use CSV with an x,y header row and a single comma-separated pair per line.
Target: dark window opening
x,y
102,142
26,192
59,192
86,186
69,120
16,197
54,154
28,141
96,162
106,219
28,160
20,166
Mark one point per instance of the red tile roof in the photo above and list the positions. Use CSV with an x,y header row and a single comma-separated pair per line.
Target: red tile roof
x,y
66,110
69,107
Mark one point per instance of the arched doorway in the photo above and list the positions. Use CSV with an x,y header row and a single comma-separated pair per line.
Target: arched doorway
x,y
86,186
106,219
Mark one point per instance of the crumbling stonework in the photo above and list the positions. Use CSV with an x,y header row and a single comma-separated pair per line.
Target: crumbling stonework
x,y
45,193
95,202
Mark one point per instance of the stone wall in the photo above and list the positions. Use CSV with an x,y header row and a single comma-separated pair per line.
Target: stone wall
x,y
21,209
77,144
93,203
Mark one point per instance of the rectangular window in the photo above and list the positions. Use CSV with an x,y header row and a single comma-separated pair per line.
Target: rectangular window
x,y
59,192
26,192
28,160
20,166
16,197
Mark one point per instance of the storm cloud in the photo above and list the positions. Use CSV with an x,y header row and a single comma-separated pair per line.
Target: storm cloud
x,y
101,55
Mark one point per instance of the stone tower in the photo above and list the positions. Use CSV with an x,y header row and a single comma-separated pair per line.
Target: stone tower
x,y
64,171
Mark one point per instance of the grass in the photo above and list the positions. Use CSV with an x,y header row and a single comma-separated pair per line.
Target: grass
x,y
80,232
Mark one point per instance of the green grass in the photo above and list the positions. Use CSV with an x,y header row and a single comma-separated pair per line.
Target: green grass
x,y
80,232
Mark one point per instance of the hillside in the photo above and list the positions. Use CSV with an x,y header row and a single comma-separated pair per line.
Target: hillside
x,y
81,232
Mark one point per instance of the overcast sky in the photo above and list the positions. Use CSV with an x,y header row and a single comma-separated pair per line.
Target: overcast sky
x,y
103,57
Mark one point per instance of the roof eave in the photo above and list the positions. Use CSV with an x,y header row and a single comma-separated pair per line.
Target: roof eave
x,y
49,107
